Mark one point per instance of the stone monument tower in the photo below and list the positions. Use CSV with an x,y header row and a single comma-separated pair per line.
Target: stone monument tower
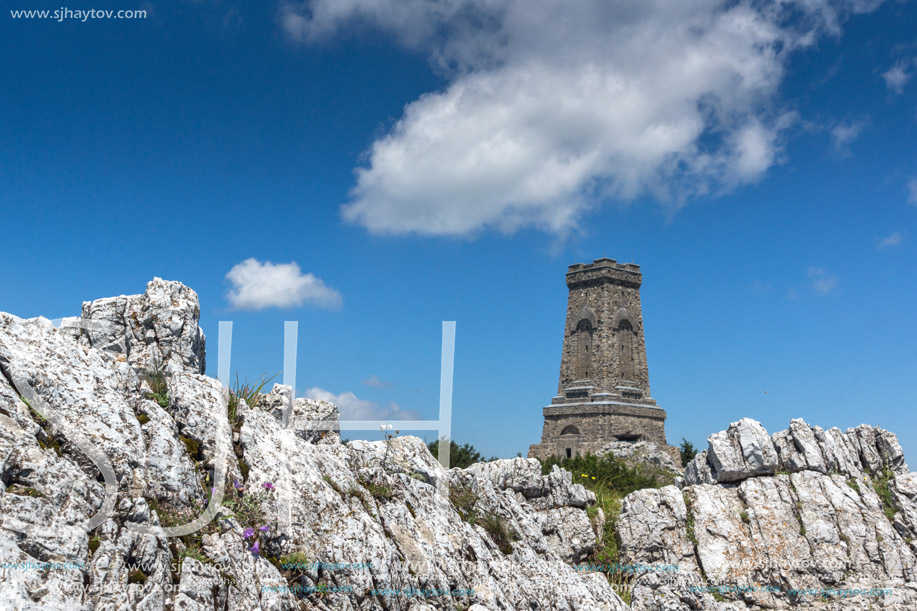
x,y
604,389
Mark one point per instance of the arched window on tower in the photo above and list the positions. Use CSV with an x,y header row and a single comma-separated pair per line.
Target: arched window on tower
x,y
583,345
626,352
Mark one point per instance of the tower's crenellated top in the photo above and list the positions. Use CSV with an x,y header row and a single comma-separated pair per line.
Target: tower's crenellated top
x,y
604,270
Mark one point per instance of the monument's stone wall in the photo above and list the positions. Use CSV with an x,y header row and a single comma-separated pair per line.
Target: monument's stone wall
x,y
603,335
603,391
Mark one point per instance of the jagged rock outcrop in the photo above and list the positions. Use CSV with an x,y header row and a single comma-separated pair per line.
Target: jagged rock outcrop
x,y
803,508
75,409
745,450
642,452
307,417
765,518
161,324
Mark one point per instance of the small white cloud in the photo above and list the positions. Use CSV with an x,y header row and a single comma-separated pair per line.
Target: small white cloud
x,y
257,285
354,408
892,240
375,382
821,280
912,191
843,134
897,76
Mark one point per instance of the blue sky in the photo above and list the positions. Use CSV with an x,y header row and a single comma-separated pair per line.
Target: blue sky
x,y
430,161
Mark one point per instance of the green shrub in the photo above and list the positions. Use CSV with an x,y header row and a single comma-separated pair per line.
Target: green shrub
x,y
687,452
591,471
460,456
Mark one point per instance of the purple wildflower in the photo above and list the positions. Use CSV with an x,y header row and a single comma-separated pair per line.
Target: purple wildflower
x,y
268,486
264,529
248,533
255,549
236,484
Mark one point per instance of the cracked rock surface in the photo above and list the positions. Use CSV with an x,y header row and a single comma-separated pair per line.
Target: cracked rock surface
x,y
804,509
502,528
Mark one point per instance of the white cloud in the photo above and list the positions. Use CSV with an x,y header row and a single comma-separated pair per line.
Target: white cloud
x,y
375,382
844,133
821,280
897,76
552,108
892,240
912,191
257,285
354,408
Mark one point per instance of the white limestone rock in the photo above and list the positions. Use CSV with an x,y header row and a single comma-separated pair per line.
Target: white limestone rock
x,y
304,414
798,448
744,451
162,323
819,527
646,452
698,470
741,451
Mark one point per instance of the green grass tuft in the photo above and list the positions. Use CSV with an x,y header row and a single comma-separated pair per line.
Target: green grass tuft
x,y
502,533
379,491
20,490
249,393
880,484
193,551
159,384
464,499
